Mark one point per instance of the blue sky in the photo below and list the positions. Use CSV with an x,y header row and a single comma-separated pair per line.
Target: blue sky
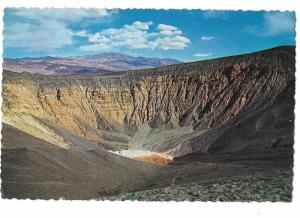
x,y
181,34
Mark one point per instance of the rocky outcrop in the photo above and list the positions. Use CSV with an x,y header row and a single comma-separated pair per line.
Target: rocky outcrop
x,y
176,109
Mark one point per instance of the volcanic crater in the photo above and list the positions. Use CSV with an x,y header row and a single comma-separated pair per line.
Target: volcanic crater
x,y
85,136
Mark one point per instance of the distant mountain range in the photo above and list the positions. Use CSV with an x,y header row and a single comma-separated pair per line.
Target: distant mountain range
x,y
89,64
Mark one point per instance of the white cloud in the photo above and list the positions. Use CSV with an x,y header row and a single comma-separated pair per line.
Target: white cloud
x,y
46,29
207,38
280,22
203,55
166,27
69,15
139,25
167,43
168,30
216,14
37,36
132,36
81,33
274,23
135,36
95,47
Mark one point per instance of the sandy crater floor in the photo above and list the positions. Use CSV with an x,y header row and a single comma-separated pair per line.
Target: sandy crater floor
x,y
145,156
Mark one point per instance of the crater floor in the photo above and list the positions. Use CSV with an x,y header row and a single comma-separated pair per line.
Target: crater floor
x,y
145,155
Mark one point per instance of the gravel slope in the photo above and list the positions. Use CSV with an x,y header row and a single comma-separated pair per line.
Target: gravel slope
x,y
262,187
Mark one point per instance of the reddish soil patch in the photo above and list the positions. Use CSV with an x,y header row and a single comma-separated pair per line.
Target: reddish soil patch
x,y
154,159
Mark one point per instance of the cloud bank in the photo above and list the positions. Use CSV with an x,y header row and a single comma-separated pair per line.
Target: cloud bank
x,y
135,36
274,23
46,29
51,29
